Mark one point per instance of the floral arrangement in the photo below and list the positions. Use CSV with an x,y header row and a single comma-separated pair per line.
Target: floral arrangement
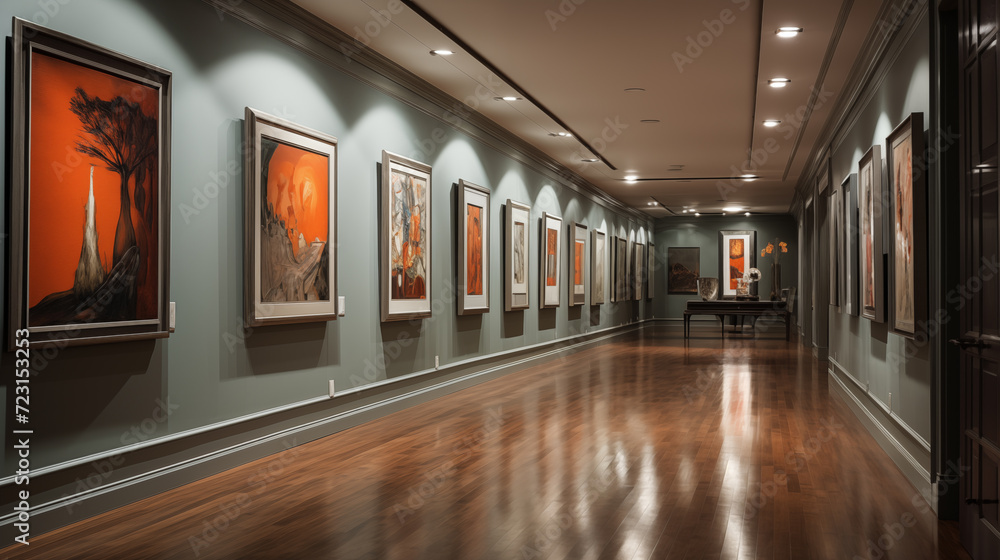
x,y
775,248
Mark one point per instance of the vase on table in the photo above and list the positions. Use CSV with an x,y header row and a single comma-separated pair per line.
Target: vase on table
x,y
775,281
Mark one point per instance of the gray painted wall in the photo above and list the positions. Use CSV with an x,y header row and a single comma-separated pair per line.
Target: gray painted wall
x,y
96,399
703,232
880,360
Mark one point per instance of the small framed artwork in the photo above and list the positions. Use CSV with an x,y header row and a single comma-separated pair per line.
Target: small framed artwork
x,y
683,269
551,253
621,270
90,240
737,254
907,250
290,201
516,239
849,188
638,270
870,208
473,258
404,238
578,247
598,266
650,269
836,258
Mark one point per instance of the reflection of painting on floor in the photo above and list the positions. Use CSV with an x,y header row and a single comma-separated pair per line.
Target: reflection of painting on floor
x,y
737,262
407,235
551,248
520,255
93,249
295,224
903,251
474,258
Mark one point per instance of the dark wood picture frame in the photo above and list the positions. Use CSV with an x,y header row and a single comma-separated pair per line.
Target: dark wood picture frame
x,y
908,237
257,312
92,309
871,271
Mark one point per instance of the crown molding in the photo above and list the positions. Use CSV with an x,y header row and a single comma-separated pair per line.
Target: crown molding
x,y
291,24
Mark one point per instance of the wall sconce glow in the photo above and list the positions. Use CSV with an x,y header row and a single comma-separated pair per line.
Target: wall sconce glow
x,y
507,98
771,123
778,82
787,32
732,209
442,52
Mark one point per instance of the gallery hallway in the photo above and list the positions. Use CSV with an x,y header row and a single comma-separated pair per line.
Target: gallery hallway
x,y
641,446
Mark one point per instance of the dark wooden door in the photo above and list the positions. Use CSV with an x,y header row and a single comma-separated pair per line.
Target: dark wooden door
x,y
980,313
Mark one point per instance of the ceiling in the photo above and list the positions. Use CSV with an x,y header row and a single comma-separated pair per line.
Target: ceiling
x,y
703,68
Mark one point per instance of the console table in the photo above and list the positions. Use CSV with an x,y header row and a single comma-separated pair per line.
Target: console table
x,y
730,307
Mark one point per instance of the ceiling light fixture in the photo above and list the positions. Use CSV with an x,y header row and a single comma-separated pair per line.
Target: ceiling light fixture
x,y
747,214
507,98
696,214
778,82
590,160
771,123
732,209
442,52
560,134
631,178
786,32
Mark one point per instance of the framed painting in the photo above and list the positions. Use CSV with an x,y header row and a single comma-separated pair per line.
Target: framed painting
x,y
290,222
907,249
650,269
578,271
516,239
473,258
836,242
683,269
638,270
551,266
737,254
598,266
621,270
849,188
404,238
870,209
90,192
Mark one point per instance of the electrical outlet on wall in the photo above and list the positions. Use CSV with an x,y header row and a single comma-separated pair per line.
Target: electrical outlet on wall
x,y
437,362
173,316
341,305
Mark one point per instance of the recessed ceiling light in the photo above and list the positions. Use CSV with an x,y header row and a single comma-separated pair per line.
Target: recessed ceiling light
x,y
590,160
634,90
778,82
697,214
631,178
786,32
732,209
771,123
442,52
649,121
747,214
560,134
507,98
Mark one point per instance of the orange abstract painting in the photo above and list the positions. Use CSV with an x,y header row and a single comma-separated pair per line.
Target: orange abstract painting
x,y
407,236
295,223
737,260
94,188
578,263
474,250
551,248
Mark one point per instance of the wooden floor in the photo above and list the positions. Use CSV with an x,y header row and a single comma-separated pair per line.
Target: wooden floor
x,y
642,447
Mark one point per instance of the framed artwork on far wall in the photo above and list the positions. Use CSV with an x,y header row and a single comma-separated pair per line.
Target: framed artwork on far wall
x,y
598,266
908,245
290,223
551,257
870,210
578,271
836,258
638,270
90,238
473,258
621,270
683,269
405,238
517,233
849,188
737,254
650,269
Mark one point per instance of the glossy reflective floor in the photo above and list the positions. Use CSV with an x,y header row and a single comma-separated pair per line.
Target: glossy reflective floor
x,y
640,447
